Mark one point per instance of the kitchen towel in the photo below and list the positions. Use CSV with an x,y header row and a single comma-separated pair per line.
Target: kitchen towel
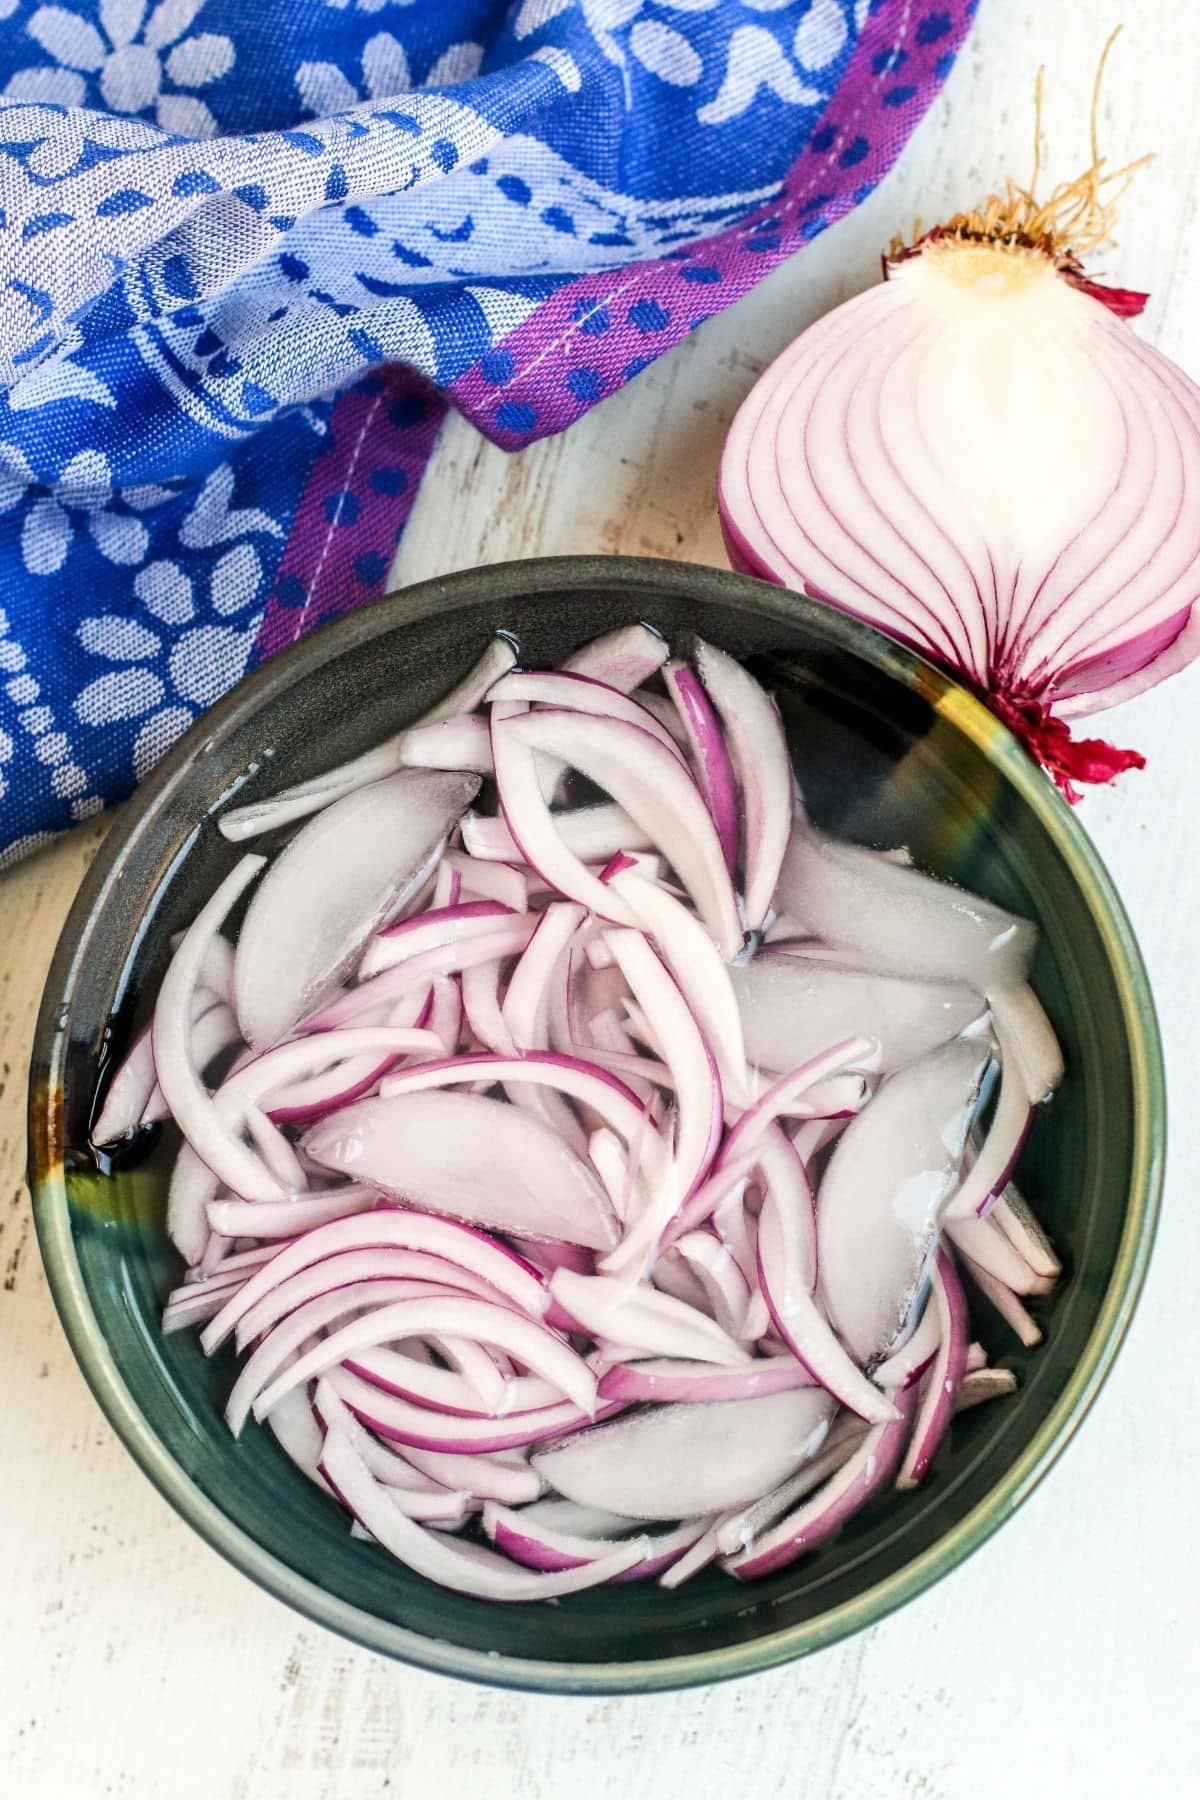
x,y
250,250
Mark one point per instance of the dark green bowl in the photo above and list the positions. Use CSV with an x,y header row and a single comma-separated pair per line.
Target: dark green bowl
x,y
889,752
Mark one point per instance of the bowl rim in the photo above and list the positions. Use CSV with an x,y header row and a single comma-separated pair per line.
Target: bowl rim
x,y
970,717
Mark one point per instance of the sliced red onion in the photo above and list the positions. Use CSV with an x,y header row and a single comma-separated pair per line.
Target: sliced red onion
x,y
460,745
981,1385
709,753
193,1109
737,1531
488,880
623,658
302,932
539,1546
591,833
786,1271
899,921
430,931
505,1477
540,1350
418,1428
793,1006
310,796
707,982
941,1385
689,1460
672,1275
468,1157
581,693
386,1464
792,1090
583,1081
870,1468
388,1228
989,1248
453,1563
882,1197
1006,1303
726,1290
653,1323
990,1170
1028,1038
698,1099
648,781
215,1031
481,1005
664,710
508,939
1013,1215
909,1362
449,1390
759,751
275,1150
280,1348
662,1379
357,1269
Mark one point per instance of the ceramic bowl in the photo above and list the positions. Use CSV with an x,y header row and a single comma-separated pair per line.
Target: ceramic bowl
x,y
889,751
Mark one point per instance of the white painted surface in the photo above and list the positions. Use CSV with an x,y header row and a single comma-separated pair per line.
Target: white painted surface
x,y
1062,1661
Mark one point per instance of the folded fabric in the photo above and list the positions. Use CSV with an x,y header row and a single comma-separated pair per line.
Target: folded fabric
x,y
249,253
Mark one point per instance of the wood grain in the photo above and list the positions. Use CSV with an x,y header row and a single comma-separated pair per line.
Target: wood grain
x,y
1061,1661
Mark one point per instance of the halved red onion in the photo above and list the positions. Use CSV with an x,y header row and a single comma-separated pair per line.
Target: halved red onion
x,y
468,1157
792,1006
310,796
653,1323
650,784
758,747
623,658
303,931
870,1468
450,1561
709,754
941,1385
430,931
882,1196
898,920
688,1460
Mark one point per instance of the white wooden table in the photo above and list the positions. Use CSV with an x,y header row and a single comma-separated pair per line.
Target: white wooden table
x,y
1063,1659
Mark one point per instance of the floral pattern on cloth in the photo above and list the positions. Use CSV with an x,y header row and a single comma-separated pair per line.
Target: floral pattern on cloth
x,y
249,254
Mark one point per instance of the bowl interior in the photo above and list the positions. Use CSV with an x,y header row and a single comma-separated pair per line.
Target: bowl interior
x,y
888,754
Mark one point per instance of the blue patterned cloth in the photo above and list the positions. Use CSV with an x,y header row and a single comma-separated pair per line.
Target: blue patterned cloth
x,y
249,250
